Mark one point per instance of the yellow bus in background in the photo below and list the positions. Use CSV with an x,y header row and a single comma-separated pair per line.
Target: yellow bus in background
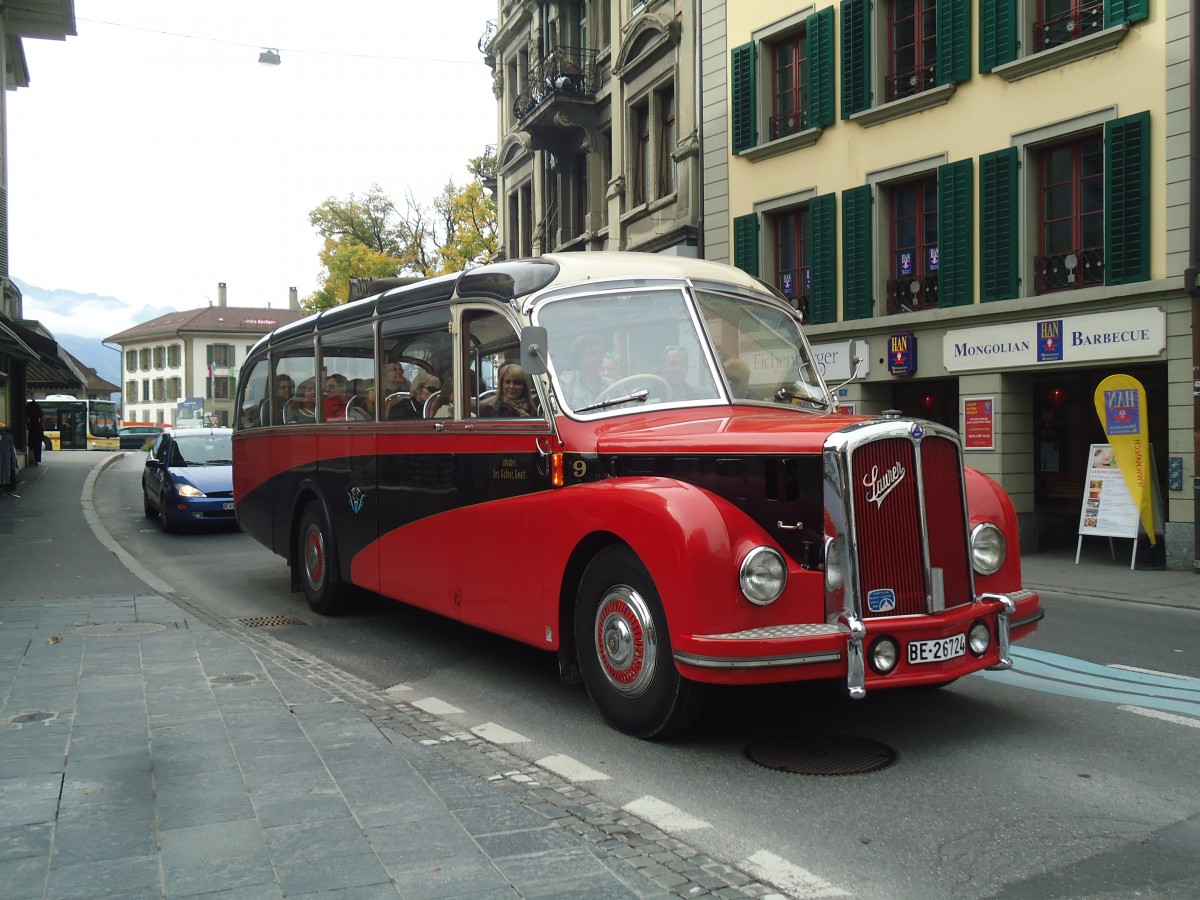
x,y
71,424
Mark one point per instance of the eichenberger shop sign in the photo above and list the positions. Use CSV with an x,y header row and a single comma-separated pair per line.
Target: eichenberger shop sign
x,y
1126,334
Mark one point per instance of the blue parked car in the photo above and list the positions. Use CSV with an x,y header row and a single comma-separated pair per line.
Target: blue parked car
x,y
188,478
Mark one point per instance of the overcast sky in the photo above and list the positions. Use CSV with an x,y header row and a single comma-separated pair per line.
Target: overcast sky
x,y
153,156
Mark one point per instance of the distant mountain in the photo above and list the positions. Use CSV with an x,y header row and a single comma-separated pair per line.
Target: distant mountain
x,y
91,352
80,321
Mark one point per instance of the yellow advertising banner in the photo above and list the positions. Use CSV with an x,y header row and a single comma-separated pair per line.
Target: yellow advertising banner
x,y
1121,406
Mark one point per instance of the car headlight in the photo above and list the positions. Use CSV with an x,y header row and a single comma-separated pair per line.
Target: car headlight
x,y
987,549
186,490
763,576
834,575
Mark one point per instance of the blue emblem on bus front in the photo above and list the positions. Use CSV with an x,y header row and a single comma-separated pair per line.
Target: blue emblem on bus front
x,y
917,431
881,600
356,498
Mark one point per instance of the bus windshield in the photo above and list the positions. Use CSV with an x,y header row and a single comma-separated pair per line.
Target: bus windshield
x,y
627,350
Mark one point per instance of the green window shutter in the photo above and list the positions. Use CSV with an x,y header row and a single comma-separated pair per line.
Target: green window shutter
x,y
208,388
956,214
997,33
954,41
1120,12
744,92
209,350
745,243
998,251
858,302
1127,199
856,57
819,34
822,295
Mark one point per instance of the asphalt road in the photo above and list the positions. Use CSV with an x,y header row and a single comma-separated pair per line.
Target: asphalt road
x,y
1073,776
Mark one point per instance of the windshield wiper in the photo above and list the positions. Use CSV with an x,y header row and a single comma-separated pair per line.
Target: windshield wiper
x,y
640,396
786,394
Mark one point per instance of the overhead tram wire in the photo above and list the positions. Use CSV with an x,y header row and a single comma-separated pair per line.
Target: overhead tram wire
x,y
281,50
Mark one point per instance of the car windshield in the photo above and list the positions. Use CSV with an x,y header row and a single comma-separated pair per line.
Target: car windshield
x,y
637,349
205,449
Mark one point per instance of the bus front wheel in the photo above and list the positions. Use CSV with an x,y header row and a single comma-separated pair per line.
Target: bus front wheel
x,y
317,558
625,650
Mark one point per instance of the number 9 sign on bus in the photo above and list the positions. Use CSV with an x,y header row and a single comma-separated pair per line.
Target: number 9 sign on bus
x,y
689,516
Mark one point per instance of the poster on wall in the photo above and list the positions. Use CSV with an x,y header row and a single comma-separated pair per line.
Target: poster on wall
x,y
979,423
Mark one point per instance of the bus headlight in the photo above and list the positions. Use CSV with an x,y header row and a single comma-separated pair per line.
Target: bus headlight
x,y
987,549
884,655
762,576
834,575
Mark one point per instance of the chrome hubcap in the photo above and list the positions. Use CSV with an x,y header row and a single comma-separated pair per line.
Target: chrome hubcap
x,y
626,643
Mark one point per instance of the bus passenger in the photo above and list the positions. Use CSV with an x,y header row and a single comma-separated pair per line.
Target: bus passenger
x,y
337,395
413,406
285,388
394,380
513,400
302,409
585,383
362,409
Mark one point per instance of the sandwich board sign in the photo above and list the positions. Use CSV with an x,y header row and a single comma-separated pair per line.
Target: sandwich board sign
x,y
1108,509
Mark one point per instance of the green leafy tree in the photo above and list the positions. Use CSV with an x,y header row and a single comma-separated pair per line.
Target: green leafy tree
x,y
370,237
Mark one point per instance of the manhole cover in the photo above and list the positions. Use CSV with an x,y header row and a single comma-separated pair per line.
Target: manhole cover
x,y
268,621
116,629
820,754
32,717
243,678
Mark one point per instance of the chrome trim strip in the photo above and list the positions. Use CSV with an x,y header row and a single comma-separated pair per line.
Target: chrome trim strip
x,y
774,631
760,662
1028,620
856,671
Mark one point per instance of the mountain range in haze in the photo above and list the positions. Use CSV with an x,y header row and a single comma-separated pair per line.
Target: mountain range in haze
x,y
80,322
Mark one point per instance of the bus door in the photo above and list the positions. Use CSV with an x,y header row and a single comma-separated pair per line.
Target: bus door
x,y
71,428
500,474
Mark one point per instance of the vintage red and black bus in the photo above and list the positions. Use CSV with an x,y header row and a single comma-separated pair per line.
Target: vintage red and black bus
x,y
694,509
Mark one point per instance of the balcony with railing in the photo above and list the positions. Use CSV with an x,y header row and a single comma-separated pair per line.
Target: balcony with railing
x,y
905,295
567,74
796,285
908,82
789,123
1068,271
485,42
1054,31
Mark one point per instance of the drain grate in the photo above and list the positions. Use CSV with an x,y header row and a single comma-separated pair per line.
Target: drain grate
x,y
32,717
240,678
820,754
118,629
268,621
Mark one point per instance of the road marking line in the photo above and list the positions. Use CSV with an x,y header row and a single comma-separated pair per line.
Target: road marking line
x,y
436,707
498,734
1164,716
797,881
667,817
571,769
1152,672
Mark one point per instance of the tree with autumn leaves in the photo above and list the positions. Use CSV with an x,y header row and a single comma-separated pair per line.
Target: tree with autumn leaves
x,y
371,237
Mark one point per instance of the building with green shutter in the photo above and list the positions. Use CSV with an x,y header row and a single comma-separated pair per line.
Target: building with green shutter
x,y
991,199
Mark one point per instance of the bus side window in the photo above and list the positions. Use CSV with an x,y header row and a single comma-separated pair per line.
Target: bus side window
x,y
254,408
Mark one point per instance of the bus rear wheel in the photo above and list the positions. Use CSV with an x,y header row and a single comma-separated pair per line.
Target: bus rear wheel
x,y
625,650
316,557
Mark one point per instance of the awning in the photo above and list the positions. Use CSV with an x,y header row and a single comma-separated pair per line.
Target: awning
x,y
46,367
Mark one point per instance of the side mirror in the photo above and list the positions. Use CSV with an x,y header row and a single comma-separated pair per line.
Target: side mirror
x,y
533,349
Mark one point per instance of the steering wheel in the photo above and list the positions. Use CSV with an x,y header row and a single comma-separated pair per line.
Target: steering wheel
x,y
623,384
